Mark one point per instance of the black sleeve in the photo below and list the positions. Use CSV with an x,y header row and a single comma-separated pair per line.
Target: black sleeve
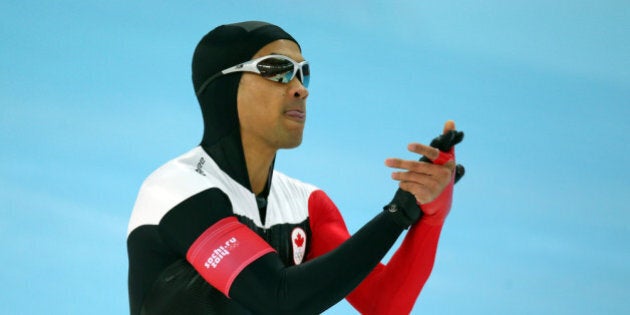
x,y
183,224
267,286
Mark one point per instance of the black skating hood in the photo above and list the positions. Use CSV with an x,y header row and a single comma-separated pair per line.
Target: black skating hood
x,y
224,47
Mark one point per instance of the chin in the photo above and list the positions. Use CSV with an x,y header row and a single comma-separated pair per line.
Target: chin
x,y
292,143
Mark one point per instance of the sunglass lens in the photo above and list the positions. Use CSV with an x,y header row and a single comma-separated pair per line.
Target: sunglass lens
x,y
306,74
276,69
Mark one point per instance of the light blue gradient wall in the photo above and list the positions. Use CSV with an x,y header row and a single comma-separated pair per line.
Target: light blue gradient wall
x,y
94,95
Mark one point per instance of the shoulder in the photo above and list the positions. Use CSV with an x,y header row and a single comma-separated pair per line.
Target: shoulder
x,y
290,185
288,200
169,185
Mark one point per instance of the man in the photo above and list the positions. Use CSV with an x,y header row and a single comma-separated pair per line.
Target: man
x,y
218,231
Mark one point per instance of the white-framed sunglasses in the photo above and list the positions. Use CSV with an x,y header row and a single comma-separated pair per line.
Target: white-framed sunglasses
x,y
277,68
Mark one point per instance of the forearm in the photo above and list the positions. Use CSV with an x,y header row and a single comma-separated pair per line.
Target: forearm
x,y
400,282
266,286
395,287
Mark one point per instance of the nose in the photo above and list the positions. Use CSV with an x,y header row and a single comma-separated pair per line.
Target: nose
x,y
297,89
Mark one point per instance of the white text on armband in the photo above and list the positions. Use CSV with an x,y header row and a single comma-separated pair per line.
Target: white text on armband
x,y
220,252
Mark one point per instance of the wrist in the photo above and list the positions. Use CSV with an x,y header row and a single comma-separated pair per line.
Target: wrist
x,y
403,209
436,211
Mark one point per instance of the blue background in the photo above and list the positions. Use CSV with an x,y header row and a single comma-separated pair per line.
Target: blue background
x,y
94,95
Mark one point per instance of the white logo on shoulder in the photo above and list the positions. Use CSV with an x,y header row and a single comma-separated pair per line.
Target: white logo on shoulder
x,y
298,240
200,164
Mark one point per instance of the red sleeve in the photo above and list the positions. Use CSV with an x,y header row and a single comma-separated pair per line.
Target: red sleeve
x,y
327,226
388,289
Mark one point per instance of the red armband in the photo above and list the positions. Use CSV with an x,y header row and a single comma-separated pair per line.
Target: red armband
x,y
224,250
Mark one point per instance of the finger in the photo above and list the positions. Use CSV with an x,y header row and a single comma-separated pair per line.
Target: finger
x,y
459,136
450,165
424,150
427,174
447,140
413,177
449,125
459,172
413,166
444,142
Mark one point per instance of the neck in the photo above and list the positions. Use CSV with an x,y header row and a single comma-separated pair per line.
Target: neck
x,y
258,160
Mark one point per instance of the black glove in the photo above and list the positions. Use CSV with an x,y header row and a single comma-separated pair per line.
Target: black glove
x,y
404,208
444,143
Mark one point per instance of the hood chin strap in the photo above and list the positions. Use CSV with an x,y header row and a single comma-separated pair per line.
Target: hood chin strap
x,y
229,156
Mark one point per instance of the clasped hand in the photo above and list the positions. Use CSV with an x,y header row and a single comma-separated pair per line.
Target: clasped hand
x,y
424,180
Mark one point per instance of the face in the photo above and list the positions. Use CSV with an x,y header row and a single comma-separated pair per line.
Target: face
x,y
272,114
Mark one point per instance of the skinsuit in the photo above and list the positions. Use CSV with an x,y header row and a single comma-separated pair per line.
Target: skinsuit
x,y
201,242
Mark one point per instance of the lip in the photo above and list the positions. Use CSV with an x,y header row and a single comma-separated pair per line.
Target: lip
x,y
296,114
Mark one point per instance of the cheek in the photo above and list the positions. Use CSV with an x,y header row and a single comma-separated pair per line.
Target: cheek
x,y
245,100
254,103
258,97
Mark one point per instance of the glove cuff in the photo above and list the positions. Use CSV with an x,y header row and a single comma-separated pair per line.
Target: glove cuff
x,y
403,209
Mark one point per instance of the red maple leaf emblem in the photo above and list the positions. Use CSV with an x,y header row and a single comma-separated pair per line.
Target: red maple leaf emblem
x,y
299,240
